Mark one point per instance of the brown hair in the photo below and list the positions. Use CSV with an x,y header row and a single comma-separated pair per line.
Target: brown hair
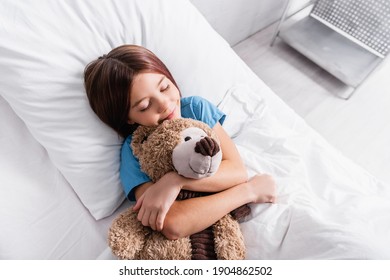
x,y
108,81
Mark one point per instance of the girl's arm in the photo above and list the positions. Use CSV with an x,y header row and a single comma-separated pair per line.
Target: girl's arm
x,y
189,216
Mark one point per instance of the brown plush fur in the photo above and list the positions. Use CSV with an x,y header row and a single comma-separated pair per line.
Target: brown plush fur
x,y
129,239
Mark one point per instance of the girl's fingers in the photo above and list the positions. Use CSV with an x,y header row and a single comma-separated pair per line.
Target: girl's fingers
x,y
145,219
141,214
160,220
138,203
152,220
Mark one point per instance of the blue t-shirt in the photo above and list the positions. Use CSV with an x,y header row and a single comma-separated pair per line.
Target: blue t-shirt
x,y
193,107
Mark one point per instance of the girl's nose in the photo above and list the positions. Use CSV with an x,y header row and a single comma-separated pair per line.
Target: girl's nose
x,y
163,104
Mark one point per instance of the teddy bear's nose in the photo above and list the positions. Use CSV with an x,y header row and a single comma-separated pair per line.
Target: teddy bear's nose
x,y
207,146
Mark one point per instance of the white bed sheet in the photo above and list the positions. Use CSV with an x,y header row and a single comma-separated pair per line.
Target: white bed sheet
x,y
328,207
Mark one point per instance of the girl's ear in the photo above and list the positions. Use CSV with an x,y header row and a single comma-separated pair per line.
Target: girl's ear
x,y
129,121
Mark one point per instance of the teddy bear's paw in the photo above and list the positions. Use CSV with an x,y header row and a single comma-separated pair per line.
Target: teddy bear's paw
x,y
241,212
229,241
158,247
126,236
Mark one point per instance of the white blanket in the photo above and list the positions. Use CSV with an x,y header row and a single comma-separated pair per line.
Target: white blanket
x,y
327,208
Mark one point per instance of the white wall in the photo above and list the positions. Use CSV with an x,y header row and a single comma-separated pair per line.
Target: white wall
x,y
236,20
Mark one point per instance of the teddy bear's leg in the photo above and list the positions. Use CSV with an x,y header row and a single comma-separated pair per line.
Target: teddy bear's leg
x,y
202,244
158,247
126,236
229,241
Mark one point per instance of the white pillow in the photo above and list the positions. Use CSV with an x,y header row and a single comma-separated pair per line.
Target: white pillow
x,y
44,48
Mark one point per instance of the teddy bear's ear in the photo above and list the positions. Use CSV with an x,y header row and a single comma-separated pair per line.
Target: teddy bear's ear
x,y
140,135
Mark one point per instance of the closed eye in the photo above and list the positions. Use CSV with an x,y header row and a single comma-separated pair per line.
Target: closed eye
x,y
165,89
145,108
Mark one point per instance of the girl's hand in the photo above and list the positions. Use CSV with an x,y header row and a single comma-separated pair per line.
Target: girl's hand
x,y
262,188
154,203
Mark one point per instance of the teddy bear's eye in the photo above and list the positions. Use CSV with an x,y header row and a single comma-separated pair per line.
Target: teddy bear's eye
x,y
188,138
143,140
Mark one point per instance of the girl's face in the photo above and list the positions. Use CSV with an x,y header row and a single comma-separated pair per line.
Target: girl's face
x,y
153,99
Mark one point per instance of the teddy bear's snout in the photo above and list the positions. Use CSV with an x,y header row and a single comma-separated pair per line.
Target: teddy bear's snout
x,y
207,146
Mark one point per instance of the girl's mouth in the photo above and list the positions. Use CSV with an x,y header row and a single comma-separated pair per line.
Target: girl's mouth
x,y
171,115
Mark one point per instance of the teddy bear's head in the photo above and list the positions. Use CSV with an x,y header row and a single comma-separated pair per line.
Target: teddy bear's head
x,y
187,146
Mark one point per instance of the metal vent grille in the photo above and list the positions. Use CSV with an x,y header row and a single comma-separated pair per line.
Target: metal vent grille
x,y
366,21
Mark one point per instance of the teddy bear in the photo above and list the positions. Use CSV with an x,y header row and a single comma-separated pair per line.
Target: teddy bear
x,y
192,149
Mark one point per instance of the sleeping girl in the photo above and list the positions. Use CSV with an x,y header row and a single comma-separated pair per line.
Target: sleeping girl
x,y
131,86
